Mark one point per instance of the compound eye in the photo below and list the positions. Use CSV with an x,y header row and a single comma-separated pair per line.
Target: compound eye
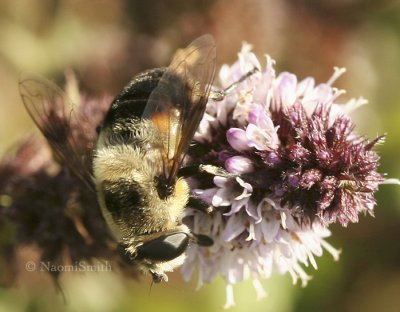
x,y
164,248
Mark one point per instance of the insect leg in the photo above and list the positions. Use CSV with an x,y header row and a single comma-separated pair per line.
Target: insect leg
x,y
192,170
125,256
199,204
219,95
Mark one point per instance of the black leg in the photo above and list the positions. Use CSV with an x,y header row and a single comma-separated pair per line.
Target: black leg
x,y
199,204
125,256
189,171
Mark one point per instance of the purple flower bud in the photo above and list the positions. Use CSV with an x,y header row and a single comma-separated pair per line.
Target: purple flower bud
x,y
237,139
255,114
326,200
224,155
323,156
298,153
310,177
293,180
239,164
272,159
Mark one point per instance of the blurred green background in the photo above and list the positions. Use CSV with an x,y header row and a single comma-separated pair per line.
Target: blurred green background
x,y
107,42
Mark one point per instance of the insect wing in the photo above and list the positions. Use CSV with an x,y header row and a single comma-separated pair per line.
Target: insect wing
x,y
54,115
177,104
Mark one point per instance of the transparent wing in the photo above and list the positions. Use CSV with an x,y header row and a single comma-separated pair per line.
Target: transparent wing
x,y
177,104
55,117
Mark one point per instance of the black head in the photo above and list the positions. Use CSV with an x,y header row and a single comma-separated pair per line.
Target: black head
x,y
164,187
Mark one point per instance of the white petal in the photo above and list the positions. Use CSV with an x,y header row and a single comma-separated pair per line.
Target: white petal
x,y
221,198
338,71
252,234
391,181
234,227
230,300
220,181
305,86
269,229
286,89
283,220
260,291
244,184
254,211
236,206
333,251
207,194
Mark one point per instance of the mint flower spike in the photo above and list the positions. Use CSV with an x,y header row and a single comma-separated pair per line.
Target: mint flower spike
x,y
300,167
